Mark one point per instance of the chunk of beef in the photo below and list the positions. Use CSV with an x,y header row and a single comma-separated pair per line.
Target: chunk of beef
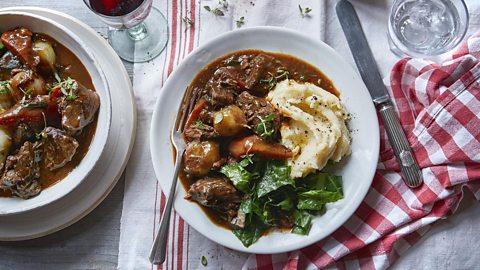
x,y
19,42
200,157
79,111
22,133
58,148
216,193
225,83
200,132
219,96
257,68
257,109
22,171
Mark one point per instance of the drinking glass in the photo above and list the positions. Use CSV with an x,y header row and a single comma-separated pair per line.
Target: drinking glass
x,y
423,28
138,32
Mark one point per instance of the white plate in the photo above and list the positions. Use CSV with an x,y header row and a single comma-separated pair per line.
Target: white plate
x,y
86,196
38,24
357,170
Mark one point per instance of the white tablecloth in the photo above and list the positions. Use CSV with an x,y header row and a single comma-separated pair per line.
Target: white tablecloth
x,y
448,245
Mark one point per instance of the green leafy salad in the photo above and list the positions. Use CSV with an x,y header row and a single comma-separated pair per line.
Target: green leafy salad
x,y
273,199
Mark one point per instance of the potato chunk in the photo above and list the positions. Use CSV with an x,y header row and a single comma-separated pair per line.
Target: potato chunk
x,y
229,121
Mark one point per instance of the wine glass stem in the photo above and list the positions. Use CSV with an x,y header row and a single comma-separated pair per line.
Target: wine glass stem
x,y
138,32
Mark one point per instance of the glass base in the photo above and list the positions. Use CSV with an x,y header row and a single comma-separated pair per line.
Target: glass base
x,y
142,42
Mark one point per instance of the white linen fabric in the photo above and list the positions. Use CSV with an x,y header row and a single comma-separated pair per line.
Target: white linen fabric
x,y
143,200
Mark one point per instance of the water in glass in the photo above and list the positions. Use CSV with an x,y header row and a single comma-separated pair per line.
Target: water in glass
x,y
425,26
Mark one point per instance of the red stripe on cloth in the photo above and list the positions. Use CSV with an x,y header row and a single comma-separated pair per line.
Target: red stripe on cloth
x,y
172,240
174,36
192,29
188,243
181,227
264,262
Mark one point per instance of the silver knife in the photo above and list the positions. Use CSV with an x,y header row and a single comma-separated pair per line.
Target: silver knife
x,y
367,66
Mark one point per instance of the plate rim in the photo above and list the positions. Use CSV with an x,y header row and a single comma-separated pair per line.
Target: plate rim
x,y
272,30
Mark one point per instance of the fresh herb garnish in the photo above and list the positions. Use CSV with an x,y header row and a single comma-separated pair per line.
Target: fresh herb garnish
x,y
57,77
43,133
273,80
26,94
188,22
215,11
219,9
262,129
37,105
5,87
67,87
303,78
233,63
240,22
199,123
304,11
204,261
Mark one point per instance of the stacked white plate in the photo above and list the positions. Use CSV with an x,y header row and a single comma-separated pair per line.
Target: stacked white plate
x,y
68,209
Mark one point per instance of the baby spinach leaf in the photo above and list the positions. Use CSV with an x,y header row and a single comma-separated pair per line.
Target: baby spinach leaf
x,y
275,176
303,222
251,233
238,175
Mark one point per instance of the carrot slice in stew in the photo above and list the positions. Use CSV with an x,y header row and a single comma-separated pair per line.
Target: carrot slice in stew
x,y
201,104
254,144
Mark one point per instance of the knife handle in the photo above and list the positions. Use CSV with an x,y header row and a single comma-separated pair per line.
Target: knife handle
x,y
412,174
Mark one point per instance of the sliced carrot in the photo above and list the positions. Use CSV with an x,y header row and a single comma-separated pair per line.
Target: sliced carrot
x,y
254,144
201,104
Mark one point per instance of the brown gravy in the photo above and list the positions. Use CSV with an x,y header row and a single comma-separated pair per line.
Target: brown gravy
x,y
296,67
70,67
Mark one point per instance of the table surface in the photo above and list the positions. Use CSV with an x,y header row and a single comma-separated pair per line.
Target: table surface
x,y
92,243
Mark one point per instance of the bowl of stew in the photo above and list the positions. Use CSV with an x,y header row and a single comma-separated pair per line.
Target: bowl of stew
x,y
252,177
55,111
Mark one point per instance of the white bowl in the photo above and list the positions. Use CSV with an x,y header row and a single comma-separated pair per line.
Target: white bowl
x,y
39,24
357,170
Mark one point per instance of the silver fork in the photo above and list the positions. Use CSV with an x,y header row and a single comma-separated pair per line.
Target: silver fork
x,y
158,251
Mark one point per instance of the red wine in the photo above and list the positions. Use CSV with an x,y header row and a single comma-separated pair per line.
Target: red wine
x,y
115,7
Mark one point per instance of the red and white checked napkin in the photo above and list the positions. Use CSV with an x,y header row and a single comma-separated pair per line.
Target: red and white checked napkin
x,y
439,108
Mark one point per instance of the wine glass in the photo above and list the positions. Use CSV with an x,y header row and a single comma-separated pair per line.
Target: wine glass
x,y
138,32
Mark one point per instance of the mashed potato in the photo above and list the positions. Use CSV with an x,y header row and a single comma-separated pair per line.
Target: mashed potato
x,y
316,130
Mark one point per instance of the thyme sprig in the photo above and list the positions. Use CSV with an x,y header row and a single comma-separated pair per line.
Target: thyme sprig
x,y
188,23
240,22
262,129
67,88
273,80
304,11
219,9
